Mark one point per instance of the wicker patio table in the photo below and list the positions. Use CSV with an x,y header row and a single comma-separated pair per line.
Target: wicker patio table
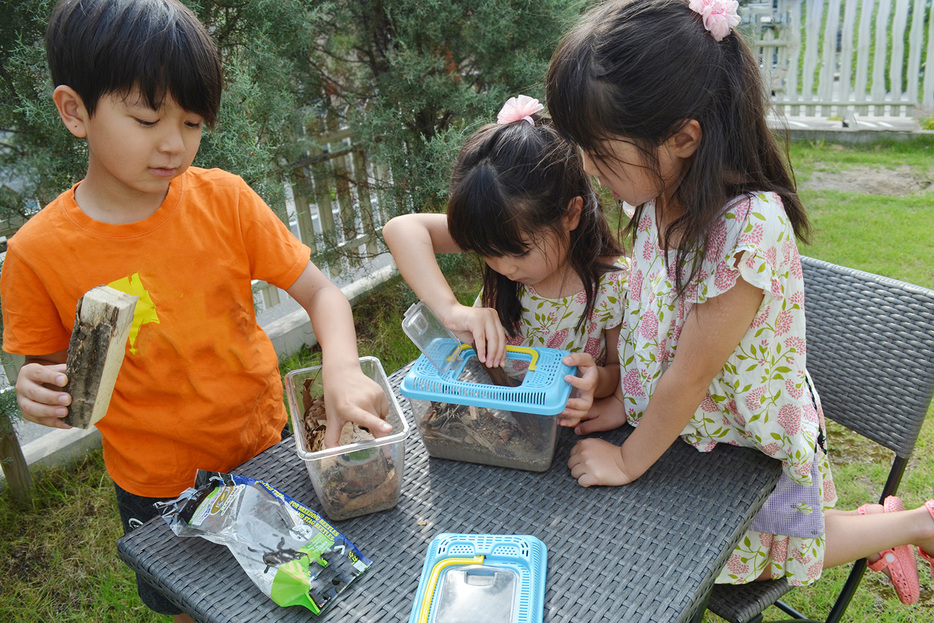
x,y
647,552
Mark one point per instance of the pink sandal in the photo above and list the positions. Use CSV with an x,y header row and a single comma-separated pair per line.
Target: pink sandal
x,y
900,561
930,506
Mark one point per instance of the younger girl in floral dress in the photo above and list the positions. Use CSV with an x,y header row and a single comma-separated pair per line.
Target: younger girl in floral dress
x,y
555,274
665,100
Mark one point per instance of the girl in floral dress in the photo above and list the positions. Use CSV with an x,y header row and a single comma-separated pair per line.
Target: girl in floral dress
x,y
555,274
664,99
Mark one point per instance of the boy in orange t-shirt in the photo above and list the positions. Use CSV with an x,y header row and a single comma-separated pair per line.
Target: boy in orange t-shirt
x,y
200,385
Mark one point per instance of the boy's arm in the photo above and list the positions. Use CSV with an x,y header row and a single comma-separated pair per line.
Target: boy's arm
x,y
413,240
349,395
36,394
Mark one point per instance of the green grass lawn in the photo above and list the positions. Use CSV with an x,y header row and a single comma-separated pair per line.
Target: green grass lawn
x,y
884,234
58,561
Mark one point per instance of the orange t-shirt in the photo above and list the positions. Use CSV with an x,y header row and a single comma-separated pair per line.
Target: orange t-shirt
x,y
200,385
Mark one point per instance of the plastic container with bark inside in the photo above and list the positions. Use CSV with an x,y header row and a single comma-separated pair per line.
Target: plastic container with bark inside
x,y
362,475
462,416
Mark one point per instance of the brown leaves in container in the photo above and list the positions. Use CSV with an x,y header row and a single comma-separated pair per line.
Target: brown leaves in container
x,y
355,483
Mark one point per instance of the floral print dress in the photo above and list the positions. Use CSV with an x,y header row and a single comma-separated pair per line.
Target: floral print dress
x,y
552,323
763,397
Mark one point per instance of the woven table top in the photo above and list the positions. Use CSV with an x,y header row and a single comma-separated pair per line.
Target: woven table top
x,y
648,551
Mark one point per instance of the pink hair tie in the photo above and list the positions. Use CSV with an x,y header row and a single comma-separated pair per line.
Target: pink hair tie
x,y
519,109
719,16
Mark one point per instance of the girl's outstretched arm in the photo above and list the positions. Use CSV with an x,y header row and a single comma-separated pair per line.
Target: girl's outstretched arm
x,y
710,334
413,240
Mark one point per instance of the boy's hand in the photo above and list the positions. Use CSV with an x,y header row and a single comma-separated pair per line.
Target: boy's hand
x,y
606,414
480,326
598,462
581,399
37,397
354,397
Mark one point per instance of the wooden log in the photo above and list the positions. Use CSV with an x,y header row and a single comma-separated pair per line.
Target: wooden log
x,y
103,320
15,468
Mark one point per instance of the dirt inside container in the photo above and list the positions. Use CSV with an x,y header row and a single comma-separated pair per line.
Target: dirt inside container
x,y
485,435
354,483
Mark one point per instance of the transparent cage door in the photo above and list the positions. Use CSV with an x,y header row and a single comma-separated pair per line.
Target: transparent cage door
x,y
436,341
476,594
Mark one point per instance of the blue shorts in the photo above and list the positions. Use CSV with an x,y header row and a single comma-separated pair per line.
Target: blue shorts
x,y
136,510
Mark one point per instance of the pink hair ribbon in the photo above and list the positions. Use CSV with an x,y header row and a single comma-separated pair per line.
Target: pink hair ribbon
x,y
719,16
519,108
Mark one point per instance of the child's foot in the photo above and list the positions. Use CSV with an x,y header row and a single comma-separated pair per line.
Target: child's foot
x,y
898,562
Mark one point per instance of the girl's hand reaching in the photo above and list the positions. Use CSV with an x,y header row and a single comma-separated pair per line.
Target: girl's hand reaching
x,y
481,327
414,239
597,462
356,398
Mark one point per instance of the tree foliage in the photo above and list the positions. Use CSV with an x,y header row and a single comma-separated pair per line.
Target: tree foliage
x,y
410,77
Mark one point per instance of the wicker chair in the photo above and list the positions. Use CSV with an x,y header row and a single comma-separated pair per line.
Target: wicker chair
x,y
870,349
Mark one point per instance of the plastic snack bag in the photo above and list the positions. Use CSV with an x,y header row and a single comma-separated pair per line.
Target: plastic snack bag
x,y
287,549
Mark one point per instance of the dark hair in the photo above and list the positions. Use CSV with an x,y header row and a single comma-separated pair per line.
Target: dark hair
x,y
99,47
511,185
639,70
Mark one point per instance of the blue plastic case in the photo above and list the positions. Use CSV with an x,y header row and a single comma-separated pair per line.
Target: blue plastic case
x,y
543,390
493,578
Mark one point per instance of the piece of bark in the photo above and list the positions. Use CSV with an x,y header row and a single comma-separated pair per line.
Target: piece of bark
x,y
103,320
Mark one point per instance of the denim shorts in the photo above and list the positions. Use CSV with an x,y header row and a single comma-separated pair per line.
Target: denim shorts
x,y
136,510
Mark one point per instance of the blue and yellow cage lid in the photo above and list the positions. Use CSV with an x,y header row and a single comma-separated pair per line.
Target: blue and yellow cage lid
x,y
543,390
482,577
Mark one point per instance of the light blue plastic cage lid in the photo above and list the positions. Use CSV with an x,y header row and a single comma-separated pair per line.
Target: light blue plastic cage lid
x,y
543,390
524,557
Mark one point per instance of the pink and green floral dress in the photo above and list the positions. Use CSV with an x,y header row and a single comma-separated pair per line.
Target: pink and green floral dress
x,y
763,397
552,323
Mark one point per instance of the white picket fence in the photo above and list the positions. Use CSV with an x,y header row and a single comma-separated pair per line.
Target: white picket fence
x,y
837,58
820,58
337,203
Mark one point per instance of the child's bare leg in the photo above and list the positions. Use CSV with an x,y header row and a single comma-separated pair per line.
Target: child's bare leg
x,y
182,618
850,536
870,508
926,543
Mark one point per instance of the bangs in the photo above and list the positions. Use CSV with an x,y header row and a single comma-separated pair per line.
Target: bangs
x,y
177,70
175,59
157,46
481,221
578,101
596,83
